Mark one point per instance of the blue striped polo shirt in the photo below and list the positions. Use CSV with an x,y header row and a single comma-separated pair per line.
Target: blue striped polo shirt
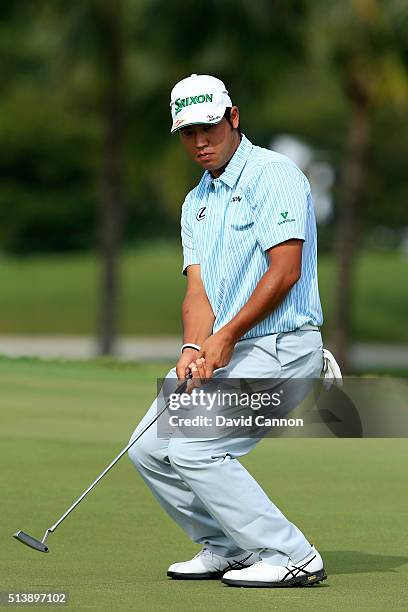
x,y
228,223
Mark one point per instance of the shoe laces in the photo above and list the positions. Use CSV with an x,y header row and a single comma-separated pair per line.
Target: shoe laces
x,y
260,562
203,553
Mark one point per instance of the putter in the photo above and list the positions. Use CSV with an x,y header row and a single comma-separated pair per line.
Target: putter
x,y
40,545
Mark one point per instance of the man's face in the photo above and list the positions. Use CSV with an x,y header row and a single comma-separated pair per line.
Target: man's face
x,y
212,146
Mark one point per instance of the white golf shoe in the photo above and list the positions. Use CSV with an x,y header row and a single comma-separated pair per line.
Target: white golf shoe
x,y
209,566
307,572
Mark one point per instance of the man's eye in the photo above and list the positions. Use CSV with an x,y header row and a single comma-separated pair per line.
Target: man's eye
x,y
187,132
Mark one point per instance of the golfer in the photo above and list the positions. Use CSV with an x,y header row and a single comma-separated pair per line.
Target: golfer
x,y
251,309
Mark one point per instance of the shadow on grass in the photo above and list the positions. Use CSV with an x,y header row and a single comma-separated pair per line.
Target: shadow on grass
x,y
353,561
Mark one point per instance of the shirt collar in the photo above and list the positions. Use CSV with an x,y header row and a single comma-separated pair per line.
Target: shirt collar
x,y
235,165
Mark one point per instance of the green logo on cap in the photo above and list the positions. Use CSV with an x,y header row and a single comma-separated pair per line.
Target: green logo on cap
x,y
182,102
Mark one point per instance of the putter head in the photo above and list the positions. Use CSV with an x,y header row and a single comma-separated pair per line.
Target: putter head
x,y
30,541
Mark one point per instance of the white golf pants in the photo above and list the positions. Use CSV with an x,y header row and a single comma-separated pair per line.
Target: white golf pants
x,y
202,485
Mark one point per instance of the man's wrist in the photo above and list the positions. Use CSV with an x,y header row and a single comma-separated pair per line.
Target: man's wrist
x,y
230,334
190,345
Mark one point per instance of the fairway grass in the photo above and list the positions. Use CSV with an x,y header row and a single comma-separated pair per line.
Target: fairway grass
x,y
58,294
63,422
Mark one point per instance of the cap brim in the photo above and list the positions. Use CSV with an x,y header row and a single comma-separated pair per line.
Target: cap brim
x,y
194,121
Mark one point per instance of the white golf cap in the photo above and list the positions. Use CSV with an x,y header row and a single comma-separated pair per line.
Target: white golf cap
x,y
199,98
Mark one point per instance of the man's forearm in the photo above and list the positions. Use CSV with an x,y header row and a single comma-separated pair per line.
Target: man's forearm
x,y
198,318
267,295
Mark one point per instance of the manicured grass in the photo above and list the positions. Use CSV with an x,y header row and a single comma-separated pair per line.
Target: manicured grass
x,y
380,296
62,422
59,294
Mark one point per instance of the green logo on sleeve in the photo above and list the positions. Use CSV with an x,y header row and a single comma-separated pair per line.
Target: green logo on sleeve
x,y
285,218
182,102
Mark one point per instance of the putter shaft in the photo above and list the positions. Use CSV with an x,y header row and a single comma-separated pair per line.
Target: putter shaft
x,y
180,389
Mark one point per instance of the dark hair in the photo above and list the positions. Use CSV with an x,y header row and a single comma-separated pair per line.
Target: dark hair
x,y
227,116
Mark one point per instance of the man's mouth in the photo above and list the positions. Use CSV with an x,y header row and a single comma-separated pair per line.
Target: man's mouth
x,y
204,156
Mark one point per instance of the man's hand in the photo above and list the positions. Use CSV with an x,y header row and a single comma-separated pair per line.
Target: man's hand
x,y
215,353
186,358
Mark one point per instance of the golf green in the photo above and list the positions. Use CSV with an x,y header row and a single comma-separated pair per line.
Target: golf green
x,y
63,422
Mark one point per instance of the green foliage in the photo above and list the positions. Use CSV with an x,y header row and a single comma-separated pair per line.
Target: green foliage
x,y
47,187
275,57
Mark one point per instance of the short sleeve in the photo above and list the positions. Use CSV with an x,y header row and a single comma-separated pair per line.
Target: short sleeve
x,y
190,255
279,201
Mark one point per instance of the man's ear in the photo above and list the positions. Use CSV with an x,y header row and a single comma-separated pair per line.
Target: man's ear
x,y
234,117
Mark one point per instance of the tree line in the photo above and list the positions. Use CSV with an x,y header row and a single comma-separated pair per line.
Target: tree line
x,y
87,160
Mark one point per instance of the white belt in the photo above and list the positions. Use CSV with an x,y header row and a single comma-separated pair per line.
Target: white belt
x,y
308,326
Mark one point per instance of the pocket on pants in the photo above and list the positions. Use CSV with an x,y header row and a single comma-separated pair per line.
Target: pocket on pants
x,y
300,353
255,358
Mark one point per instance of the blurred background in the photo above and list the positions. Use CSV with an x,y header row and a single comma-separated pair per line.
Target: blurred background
x,y
92,182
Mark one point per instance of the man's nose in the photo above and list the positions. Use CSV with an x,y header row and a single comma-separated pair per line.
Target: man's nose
x,y
201,139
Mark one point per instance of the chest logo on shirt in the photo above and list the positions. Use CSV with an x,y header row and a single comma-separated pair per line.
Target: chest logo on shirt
x,y
236,199
201,214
